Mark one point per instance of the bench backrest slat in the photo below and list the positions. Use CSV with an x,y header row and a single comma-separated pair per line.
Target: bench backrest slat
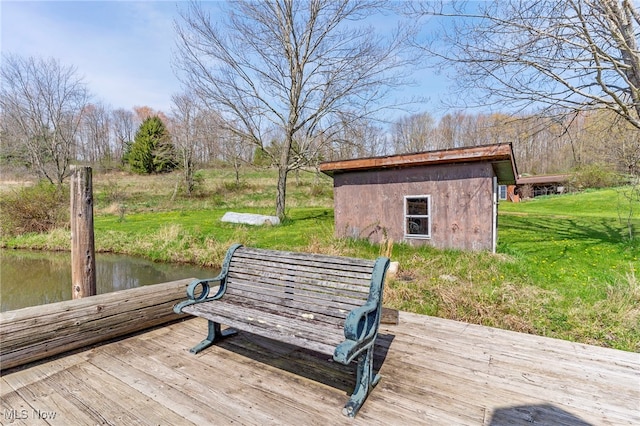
x,y
306,274
280,282
316,276
278,256
307,259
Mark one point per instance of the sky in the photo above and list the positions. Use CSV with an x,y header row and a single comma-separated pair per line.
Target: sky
x,y
123,49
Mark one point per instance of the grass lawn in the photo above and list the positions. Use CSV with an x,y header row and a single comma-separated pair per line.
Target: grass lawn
x,y
566,266
583,250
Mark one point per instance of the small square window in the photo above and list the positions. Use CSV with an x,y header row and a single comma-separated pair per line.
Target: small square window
x,y
417,216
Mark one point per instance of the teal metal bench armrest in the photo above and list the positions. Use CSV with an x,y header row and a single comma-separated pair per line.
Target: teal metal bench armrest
x,y
361,325
198,291
199,296
360,330
360,321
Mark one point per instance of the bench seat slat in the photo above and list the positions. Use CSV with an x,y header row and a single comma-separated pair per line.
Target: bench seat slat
x,y
332,322
294,308
243,313
321,339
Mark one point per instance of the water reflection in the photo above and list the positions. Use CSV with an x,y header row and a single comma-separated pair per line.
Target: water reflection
x,y
29,278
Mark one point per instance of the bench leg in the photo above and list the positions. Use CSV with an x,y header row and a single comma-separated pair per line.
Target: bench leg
x,y
214,334
365,381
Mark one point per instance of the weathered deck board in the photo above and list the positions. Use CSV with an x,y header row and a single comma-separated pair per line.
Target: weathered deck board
x,y
435,372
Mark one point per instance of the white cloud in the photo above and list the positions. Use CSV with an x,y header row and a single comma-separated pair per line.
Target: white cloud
x,y
123,49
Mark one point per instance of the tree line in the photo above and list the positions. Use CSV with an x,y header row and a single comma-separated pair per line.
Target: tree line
x,y
288,84
541,144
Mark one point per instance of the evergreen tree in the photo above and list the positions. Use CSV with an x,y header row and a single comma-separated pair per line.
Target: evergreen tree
x,y
152,150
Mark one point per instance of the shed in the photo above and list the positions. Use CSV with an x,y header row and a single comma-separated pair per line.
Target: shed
x,y
534,186
446,198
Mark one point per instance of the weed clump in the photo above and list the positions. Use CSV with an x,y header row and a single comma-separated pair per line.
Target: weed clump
x,y
40,208
231,187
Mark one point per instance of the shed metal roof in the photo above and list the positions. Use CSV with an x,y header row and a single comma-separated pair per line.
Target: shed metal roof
x,y
543,179
499,155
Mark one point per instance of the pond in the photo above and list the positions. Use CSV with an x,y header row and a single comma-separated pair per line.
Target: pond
x,y
30,278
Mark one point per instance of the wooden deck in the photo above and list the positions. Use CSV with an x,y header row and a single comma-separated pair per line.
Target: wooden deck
x,y
435,372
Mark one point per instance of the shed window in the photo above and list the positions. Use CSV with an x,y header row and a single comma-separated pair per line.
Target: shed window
x,y
417,216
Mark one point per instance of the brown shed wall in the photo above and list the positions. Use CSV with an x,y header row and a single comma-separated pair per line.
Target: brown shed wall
x,y
370,204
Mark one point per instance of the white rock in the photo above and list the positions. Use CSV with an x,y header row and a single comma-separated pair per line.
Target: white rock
x,y
450,278
394,267
250,219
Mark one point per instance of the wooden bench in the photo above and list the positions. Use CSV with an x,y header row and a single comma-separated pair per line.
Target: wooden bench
x,y
327,304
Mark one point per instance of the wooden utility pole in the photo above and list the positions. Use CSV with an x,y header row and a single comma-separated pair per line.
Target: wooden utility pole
x,y
83,261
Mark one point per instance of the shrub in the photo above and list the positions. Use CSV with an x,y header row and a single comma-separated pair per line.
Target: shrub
x,y
195,186
261,158
319,190
113,192
595,176
39,208
231,187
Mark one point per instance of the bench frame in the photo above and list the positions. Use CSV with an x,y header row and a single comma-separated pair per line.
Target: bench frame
x,y
360,326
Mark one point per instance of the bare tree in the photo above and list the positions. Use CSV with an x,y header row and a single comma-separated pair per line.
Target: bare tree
x,y
184,132
362,139
299,67
458,129
191,128
607,139
42,103
235,151
371,139
124,125
626,151
569,55
94,144
212,132
414,133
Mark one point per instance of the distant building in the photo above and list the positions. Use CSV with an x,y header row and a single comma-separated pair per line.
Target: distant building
x,y
508,193
446,198
534,186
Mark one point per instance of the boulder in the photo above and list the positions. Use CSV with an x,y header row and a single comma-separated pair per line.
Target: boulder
x,y
394,267
250,218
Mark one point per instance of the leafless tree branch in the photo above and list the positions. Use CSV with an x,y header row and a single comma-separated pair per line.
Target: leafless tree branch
x,y
575,54
42,103
293,67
